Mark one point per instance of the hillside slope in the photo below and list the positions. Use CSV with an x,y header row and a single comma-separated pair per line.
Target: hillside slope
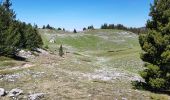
x,y
97,65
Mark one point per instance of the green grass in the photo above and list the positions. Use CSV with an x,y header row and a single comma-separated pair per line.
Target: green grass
x,y
158,97
91,40
76,53
105,51
7,72
81,42
78,67
122,49
117,53
2,58
6,62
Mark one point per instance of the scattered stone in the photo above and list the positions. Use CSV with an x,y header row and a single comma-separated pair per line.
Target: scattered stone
x,y
1,76
123,33
12,78
124,99
2,92
36,96
137,78
89,95
52,41
15,92
43,51
38,74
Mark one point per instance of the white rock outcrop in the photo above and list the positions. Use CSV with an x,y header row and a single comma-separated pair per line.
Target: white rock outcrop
x,y
15,92
36,96
2,92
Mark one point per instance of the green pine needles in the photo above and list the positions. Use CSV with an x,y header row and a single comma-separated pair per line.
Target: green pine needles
x,y
61,52
15,35
156,47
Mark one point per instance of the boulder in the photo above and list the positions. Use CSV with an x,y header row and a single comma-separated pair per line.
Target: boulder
x,y
124,98
2,92
15,92
52,41
36,96
44,52
25,54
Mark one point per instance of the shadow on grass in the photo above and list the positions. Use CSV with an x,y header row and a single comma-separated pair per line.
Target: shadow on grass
x,y
143,86
18,58
6,58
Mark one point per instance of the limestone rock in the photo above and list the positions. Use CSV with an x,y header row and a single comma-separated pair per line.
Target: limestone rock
x,y
15,92
36,96
2,92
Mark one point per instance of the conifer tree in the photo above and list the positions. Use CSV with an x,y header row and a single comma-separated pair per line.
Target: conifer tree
x,y
59,29
75,31
9,36
90,27
111,26
48,26
84,29
105,26
43,27
61,52
15,35
156,47
7,4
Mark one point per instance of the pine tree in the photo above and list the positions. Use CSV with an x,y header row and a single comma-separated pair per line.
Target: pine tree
x,y
59,29
32,38
43,27
35,26
74,31
156,47
84,29
9,36
61,52
7,4
90,27
48,26
105,26
15,35
111,26
120,27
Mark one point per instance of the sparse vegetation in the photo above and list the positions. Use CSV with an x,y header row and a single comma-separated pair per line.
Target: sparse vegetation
x,y
46,47
93,64
85,67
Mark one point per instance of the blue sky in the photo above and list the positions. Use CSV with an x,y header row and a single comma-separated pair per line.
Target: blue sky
x,y
77,14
